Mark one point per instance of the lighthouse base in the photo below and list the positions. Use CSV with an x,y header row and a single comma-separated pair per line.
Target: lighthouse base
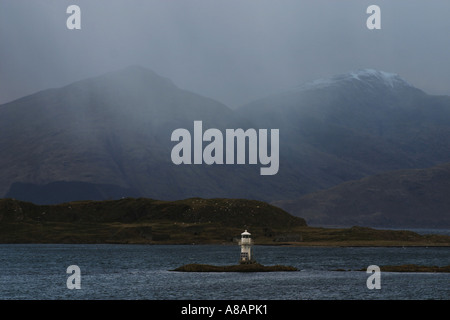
x,y
247,261
254,267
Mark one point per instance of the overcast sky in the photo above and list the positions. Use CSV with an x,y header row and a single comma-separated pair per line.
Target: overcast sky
x,y
229,50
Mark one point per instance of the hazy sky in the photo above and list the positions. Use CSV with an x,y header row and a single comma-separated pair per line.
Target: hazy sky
x,y
229,50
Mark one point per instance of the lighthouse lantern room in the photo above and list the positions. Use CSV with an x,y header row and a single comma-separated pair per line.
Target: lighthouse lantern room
x,y
246,248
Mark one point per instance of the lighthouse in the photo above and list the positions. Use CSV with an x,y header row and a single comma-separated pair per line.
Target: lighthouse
x,y
246,248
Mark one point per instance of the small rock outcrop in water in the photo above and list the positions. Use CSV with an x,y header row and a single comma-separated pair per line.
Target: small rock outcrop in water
x,y
408,268
252,267
414,268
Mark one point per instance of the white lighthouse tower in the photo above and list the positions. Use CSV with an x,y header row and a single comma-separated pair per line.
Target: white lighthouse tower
x,y
246,247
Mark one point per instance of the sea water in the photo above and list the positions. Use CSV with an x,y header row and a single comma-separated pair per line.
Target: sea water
x,y
109,271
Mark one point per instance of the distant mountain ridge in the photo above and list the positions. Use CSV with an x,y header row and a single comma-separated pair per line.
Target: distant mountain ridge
x,y
66,191
398,199
111,134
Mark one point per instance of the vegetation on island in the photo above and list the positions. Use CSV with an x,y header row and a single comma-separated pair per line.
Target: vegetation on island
x,y
189,221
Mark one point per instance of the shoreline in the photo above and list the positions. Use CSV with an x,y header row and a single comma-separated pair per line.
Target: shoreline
x,y
305,245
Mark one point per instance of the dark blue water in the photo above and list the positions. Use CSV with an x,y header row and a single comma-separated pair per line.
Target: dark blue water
x,y
142,272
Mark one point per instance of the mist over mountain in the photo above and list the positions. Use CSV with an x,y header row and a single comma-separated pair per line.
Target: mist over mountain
x,y
111,134
111,130
354,125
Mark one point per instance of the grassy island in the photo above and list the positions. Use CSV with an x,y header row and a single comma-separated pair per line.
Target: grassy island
x,y
252,267
189,221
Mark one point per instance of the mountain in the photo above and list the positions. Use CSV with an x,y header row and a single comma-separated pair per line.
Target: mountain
x,y
351,126
109,137
66,191
397,199
111,133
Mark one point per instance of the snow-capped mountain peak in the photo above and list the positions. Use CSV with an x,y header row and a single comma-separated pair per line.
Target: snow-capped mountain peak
x,y
390,79
368,76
